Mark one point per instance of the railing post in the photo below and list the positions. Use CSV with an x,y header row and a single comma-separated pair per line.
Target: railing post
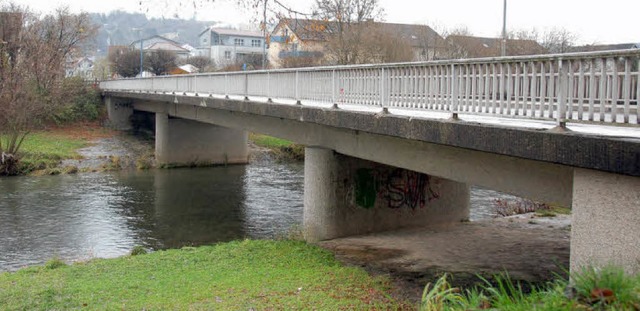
x,y
454,92
246,86
333,89
226,86
296,88
175,89
562,94
383,94
195,85
269,88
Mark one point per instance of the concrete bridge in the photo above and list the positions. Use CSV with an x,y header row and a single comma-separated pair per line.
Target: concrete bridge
x,y
397,145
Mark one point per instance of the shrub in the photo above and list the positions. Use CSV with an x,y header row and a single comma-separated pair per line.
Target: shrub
x,y
54,263
138,250
84,103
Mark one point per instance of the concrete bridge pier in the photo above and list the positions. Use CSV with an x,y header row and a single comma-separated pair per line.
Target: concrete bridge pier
x,y
183,142
119,112
605,227
346,196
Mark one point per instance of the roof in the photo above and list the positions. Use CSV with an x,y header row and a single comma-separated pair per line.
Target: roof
x,y
306,29
166,46
605,47
490,47
317,30
414,34
137,42
234,32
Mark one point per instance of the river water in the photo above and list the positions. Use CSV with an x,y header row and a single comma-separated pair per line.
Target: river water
x,y
77,217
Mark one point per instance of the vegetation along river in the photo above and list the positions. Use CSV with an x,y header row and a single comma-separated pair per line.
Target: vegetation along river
x,y
76,217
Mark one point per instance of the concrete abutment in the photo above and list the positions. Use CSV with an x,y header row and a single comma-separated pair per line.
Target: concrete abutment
x,y
119,112
605,228
183,142
346,196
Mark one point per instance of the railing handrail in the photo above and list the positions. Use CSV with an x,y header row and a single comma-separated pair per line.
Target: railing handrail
x,y
463,61
602,86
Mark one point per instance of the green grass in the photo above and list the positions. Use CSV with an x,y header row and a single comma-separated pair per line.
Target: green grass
x,y
586,292
269,141
42,151
283,150
240,275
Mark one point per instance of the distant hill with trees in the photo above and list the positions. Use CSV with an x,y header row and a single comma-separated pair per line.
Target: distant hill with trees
x,y
122,28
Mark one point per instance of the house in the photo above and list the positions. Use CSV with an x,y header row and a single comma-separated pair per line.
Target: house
x,y
477,47
307,38
156,43
80,67
227,46
425,42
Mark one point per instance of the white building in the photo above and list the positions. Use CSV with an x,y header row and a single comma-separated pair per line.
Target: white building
x,y
156,43
231,46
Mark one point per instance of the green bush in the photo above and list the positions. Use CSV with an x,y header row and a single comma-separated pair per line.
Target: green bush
x,y
138,250
84,103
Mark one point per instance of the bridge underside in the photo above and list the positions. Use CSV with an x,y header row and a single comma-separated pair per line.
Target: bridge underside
x,y
348,189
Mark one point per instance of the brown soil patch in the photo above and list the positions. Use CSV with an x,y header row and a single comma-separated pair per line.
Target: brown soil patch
x,y
530,249
83,130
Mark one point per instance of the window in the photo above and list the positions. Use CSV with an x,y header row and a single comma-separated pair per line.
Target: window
x,y
255,43
238,41
227,54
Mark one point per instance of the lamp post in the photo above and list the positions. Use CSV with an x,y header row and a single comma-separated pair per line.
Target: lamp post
x,y
141,51
264,33
503,47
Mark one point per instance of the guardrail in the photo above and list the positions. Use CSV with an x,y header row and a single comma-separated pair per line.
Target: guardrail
x,y
593,86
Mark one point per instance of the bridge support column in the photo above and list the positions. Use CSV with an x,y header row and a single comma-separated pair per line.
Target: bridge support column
x,y
119,112
346,196
184,142
605,227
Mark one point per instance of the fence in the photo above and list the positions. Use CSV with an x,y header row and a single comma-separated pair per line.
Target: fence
x,y
594,86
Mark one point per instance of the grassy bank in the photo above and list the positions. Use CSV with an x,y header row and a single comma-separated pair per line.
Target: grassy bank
x,y
241,275
42,151
592,289
283,149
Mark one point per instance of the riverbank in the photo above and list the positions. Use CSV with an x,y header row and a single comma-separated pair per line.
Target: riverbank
x,y
90,147
283,274
239,275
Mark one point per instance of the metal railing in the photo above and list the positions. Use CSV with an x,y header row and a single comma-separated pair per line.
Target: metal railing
x,y
594,86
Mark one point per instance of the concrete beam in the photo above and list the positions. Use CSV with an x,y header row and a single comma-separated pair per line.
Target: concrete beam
x,y
610,154
605,227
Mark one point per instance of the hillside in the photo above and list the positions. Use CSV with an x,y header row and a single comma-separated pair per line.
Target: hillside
x,y
121,28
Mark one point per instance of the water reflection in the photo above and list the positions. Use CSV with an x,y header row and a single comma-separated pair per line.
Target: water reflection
x,y
105,215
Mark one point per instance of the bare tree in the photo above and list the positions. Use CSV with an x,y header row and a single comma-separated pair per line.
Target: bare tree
x,y
125,62
32,58
345,27
160,62
382,45
558,40
203,63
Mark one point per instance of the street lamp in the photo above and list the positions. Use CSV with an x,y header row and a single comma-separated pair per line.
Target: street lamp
x,y
141,53
503,47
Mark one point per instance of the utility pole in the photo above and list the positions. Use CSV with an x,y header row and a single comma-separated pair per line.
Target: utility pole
x,y
141,47
141,58
503,47
264,33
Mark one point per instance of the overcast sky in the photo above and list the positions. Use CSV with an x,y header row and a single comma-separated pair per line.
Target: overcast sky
x,y
595,21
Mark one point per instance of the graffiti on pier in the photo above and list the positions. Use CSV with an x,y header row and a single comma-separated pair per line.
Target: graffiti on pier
x,y
398,188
